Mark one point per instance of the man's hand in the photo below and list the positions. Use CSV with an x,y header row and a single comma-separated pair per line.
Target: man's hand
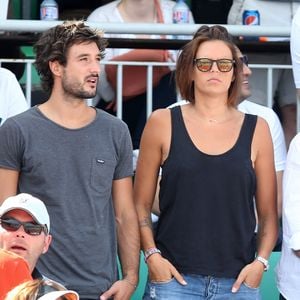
x,y
120,290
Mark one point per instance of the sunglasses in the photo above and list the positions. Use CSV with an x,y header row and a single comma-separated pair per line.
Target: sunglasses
x,y
205,64
11,224
244,59
49,286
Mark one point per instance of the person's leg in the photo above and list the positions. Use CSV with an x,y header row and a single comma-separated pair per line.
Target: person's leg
x,y
287,99
134,110
289,121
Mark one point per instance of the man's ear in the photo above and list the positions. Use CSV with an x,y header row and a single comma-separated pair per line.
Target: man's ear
x,y
55,67
47,242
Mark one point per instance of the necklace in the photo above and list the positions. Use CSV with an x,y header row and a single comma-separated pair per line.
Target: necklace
x,y
212,121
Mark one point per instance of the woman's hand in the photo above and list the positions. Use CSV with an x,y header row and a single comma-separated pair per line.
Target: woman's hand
x,y
251,275
161,270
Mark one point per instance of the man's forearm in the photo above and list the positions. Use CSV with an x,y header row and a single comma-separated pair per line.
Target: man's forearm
x,y
129,247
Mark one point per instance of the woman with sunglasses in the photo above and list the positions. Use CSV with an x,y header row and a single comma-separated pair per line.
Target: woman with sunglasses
x,y
214,160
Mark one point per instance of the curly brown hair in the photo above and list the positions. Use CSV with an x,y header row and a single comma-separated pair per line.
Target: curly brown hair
x,y
53,45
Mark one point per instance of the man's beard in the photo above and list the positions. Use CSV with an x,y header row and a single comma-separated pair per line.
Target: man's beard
x,y
76,90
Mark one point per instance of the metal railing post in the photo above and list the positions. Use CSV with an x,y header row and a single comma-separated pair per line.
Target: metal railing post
x,y
149,90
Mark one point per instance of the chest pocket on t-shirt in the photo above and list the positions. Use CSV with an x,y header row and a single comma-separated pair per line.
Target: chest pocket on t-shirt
x,y
102,174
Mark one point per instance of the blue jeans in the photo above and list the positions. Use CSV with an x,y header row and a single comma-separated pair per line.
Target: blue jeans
x,y
199,288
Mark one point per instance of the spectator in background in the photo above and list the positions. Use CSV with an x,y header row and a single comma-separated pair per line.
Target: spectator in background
x,y
288,268
272,13
295,52
24,229
12,100
13,271
164,94
41,289
214,160
78,159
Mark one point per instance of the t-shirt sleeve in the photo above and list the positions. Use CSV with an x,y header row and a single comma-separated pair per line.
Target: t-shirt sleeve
x,y
11,145
278,144
291,194
124,166
17,101
295,48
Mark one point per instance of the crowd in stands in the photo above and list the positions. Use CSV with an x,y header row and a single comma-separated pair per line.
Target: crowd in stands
x,y
219,169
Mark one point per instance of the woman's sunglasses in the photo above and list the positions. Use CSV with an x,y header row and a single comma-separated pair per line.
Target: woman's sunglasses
x,y
11,224
205,64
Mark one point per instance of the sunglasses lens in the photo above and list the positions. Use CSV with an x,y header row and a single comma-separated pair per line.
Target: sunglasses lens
x,y
14,225
224,65
33,229
244,59
10,224
204,65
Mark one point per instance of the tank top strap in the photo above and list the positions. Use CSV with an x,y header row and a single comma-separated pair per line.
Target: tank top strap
x,y
247,132
176,118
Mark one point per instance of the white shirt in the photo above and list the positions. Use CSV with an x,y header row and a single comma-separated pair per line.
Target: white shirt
x,y
274,124
295,48
276,130
276,13
12,100
288,268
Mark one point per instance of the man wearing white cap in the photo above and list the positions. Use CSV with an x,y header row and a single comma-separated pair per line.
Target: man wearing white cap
x,y
24,228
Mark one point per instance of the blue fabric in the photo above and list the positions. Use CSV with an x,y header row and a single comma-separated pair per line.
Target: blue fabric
x,y
199,288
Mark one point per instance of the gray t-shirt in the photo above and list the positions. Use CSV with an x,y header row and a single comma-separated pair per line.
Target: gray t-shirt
x,y
72,171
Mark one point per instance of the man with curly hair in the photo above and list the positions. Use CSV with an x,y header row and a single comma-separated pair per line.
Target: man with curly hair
x,y
78,159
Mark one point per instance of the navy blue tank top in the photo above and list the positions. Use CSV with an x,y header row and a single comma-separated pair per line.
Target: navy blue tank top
x,y
207,219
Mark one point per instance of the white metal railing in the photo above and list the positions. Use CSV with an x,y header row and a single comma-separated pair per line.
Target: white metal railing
x,y
144,28
149,65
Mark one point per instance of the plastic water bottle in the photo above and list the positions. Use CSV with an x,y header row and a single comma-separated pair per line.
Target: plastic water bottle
x,y
49,10
181,15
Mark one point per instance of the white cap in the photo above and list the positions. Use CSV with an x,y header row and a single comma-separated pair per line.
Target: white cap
x,y
68,294
32,205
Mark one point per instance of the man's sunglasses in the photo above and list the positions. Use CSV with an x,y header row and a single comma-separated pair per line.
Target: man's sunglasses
x,y
11,224
244,59
205,64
